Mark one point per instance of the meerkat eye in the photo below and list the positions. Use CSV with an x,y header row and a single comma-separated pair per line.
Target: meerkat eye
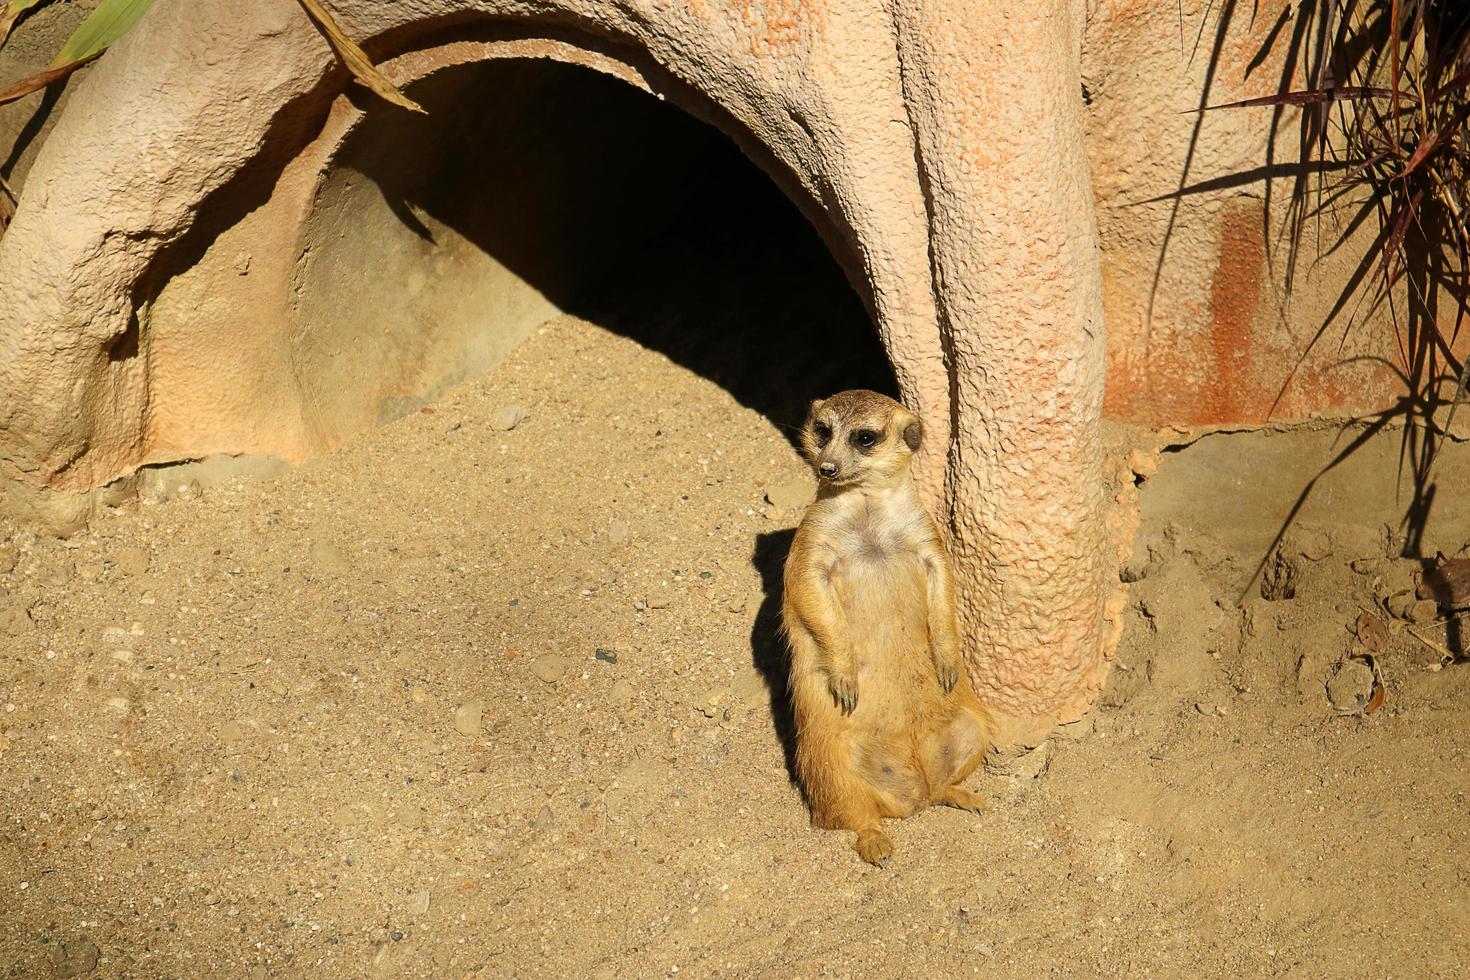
x,y
865,438
823,431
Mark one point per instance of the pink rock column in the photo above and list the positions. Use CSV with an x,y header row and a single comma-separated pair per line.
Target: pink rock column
x,y
994,94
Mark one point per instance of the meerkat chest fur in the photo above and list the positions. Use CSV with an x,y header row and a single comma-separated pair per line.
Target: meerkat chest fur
x,y
876,534
875,566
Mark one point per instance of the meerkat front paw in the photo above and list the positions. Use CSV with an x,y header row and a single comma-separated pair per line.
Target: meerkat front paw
x,y
947,669
844,688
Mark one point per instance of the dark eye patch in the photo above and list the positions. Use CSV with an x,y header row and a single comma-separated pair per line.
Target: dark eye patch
x,y
823,432
866,438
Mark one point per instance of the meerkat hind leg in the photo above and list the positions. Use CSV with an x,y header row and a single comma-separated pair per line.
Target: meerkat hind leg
x,y
953,753
873,846
963,799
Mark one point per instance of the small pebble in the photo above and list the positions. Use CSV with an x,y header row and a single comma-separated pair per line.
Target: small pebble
x,y
1350,687
791,494
606,656
509,417
468,718
14,621
1400,603
749,685
1312,543
75,957
329,557
712,703
1424,611
618,532
131,561
58,574
382,959
550,667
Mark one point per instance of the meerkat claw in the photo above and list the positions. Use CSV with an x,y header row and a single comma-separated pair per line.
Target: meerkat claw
x,y
845,694
949,676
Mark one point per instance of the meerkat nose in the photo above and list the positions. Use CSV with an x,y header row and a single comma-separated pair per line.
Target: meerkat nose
x,y
829,470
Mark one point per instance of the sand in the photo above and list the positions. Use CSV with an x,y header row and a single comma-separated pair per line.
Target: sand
x,y
469,700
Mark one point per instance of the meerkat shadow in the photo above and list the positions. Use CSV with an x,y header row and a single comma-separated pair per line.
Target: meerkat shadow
x,y
767,645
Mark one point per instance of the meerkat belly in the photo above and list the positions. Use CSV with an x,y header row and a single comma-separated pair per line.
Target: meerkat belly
x,y
886,602
885,598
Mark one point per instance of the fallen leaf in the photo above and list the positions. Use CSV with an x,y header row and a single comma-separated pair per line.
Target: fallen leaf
x,y
1379,694
40,80
1380,690
355,58
1372,633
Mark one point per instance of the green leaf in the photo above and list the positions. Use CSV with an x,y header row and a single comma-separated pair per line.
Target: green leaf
x,y
21,6
110,21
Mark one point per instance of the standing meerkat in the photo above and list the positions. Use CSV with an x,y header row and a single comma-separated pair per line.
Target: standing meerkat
x,y
887,721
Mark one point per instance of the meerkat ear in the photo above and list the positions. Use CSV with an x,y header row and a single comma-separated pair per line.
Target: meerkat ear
x,y
913,434
816,407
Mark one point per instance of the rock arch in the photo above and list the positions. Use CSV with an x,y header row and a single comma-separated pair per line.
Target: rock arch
x,y
936,145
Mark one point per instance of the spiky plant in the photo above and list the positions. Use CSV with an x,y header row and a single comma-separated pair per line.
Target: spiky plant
x,y
1385,112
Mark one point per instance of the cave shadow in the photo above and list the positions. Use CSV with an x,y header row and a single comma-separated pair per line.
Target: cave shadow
x,y
628,212
767,644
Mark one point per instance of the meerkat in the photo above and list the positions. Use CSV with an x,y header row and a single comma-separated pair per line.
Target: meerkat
x,y
887,721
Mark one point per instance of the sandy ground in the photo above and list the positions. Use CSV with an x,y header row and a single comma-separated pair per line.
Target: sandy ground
x,y
508,710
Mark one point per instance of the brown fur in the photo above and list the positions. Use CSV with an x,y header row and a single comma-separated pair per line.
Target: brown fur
x,y
887,722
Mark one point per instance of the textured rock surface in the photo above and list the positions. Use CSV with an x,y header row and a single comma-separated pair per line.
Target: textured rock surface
x,y
1198,217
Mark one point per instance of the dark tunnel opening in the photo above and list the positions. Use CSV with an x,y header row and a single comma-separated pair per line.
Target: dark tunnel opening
x,y
533,188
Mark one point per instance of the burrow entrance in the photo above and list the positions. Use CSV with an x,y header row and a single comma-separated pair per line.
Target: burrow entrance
x,y
531,188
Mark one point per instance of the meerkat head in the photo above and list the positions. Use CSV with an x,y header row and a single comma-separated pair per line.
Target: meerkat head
x,y
860,437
